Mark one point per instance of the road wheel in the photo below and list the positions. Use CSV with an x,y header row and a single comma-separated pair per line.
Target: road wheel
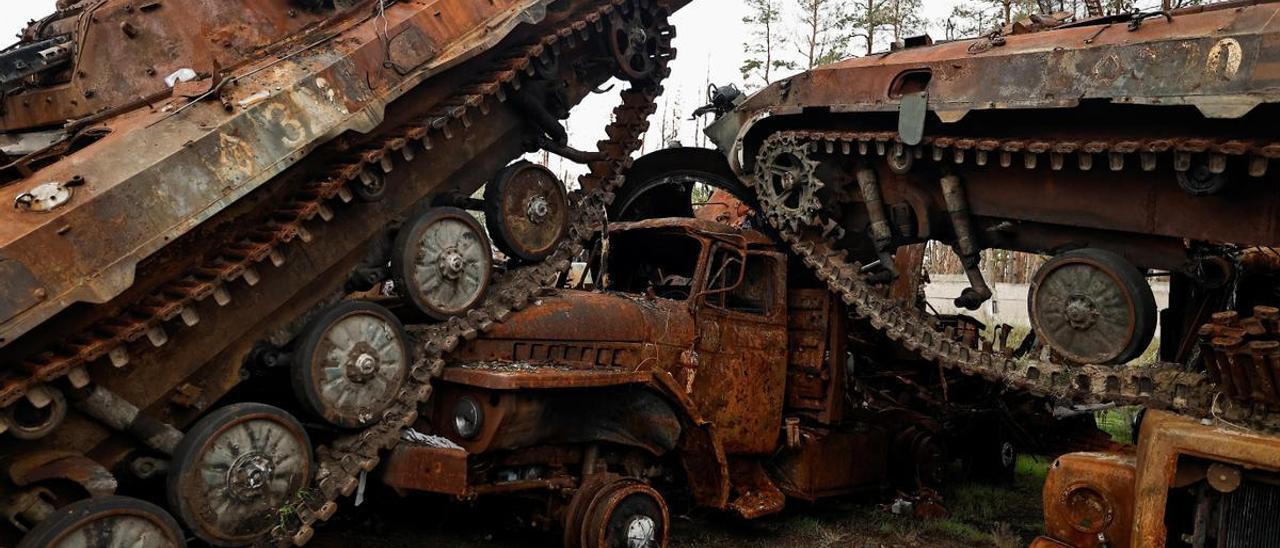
x,y
107,522
527,211
1092,306
441,262
351,363
235,468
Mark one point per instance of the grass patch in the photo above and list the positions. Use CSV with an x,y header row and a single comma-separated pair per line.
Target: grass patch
x,y
1117,423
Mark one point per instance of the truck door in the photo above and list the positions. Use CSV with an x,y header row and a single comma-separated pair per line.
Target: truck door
x,y
742,348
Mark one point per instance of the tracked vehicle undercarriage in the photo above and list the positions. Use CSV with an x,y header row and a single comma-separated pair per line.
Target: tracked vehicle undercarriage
x,y
1122,147
247,213
1027,142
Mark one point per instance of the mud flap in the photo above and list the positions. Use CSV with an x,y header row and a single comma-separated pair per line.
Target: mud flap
x,y
911,115
705,465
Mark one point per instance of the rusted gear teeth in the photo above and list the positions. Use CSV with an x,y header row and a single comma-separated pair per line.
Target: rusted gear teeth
x,y
1161,385
786,181
342,462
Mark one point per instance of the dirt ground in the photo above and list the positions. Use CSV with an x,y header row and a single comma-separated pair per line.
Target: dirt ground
x,y
978,515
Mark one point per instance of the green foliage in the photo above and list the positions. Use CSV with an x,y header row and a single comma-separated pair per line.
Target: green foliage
x,y
764,18
823,35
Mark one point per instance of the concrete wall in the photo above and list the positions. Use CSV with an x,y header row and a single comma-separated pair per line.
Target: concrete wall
x,y
1007,305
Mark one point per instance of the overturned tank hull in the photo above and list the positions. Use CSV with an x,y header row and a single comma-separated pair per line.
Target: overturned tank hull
x,y
204,238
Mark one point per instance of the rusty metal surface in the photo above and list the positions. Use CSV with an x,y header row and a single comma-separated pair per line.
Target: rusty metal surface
x,y
1218,60
507,377
815,379
631,416
757,495
209,383
41,466
1087,495
724,368
124,53
432,469
1130,499
1164,439
834,462
131,205
1243,355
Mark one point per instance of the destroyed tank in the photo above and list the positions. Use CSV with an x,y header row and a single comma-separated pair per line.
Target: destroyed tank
x,y
1122,148
242,243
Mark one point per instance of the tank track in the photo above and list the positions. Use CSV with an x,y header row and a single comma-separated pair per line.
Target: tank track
x,y
340,466
806,229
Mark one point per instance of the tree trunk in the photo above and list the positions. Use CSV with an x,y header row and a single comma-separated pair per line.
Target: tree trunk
x,y
871,25
768,49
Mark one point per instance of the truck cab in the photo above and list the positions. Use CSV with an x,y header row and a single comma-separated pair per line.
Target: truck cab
x,y
695,356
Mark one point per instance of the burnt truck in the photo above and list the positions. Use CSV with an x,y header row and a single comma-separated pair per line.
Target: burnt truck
x,y
1188,484
706,360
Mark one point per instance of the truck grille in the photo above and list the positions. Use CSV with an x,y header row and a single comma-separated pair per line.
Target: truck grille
x,y
1251,517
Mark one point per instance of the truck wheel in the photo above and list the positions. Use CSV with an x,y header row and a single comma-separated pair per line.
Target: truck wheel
x,y
527,211
1092,306
107,522
626,514
351,363
234,468
441,261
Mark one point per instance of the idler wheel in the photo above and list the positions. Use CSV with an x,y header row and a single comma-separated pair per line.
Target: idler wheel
x,y
107,522
527,211
234,468
634,42
441,262
351,363
1092,306
626,514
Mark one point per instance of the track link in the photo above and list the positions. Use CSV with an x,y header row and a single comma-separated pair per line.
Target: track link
x,y
1162,385
342,464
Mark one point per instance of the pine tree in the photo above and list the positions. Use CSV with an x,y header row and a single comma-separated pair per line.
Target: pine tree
x,y
764,17
823,36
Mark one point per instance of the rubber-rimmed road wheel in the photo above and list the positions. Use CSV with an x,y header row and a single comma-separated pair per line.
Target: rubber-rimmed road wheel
x,y
351,363
626,514
107,522
235,469
1092,306
441,262
527,211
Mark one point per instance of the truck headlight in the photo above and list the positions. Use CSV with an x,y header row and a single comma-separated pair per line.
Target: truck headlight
x,y
468,417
